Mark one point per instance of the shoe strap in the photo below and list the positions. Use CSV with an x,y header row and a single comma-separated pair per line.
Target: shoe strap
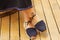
x,y
31,18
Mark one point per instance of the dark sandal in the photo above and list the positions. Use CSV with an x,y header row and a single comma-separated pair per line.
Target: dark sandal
x,y
40,26
31,32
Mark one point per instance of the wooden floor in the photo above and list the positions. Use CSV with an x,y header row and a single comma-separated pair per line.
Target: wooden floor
x,y
11,27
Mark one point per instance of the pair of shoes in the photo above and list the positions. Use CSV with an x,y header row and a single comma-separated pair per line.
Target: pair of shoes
x,y
38,26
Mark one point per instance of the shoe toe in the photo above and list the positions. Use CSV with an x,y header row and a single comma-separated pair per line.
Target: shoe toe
x,y
31,32
40,26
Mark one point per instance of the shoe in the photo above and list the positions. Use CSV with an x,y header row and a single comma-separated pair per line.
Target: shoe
x,y
31,32
40,26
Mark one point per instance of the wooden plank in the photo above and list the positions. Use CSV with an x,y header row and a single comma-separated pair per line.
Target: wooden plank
x,y
50,20
24,36
39,11
56,12
14,32
0,28
1,12
5,28
58,2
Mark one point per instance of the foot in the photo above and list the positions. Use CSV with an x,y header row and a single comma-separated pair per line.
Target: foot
x,y
32,33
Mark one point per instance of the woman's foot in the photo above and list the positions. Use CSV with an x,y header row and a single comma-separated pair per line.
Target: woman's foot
x,y
32,33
